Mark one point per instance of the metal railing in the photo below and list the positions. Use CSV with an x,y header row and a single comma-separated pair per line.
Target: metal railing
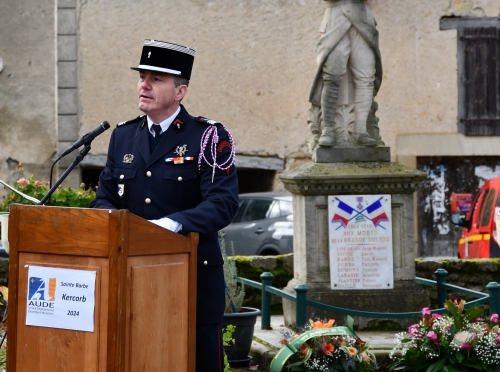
x,y
301,300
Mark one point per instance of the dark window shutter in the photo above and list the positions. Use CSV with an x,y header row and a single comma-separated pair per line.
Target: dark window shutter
x,y
479,81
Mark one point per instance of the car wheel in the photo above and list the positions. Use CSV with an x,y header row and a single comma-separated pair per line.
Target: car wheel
x,y
269,252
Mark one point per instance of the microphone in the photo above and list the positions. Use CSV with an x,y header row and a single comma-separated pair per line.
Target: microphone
x,y
86,139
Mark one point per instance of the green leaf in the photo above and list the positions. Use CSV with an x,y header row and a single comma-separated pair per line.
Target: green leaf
x,y
436,366
460,357
474,313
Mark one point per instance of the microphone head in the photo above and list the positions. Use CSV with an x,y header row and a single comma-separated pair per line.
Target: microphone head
x,y
105,125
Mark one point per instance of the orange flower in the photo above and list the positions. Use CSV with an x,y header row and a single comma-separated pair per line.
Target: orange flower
x,y
431,321
352,350
283,342
461,305
359,342
341,340
319,324
328,348
303,349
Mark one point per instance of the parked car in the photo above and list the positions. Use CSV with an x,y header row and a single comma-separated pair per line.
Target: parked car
x,y
479,237
3,253
263,225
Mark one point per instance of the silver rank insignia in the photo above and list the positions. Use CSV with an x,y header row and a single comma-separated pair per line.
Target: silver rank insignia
x,y
128,158
121,190
181,150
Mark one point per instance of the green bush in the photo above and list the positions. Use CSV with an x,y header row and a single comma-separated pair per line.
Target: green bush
x,y
62,197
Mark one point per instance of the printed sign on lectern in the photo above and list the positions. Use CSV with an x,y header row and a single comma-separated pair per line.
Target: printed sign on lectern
x,y
360,239
60,298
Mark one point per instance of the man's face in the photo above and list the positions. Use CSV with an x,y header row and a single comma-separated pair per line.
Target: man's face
x,y
158,96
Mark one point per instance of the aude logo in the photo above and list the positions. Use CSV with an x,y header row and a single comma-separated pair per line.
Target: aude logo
x,y
41,292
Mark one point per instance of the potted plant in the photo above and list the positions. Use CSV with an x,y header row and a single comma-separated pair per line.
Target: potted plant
x,y
242,318
29,191
457,341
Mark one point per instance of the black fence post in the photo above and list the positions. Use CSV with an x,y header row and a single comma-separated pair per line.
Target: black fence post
x,y
493,288
442,293
300,311
267,279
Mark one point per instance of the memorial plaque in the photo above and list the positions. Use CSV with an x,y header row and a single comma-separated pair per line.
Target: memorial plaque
x,y
360,238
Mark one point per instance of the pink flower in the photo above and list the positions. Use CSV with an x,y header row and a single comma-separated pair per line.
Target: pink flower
x,y
432,336
477,320
413,330
498,339
466,346
426,311
23,181
494,318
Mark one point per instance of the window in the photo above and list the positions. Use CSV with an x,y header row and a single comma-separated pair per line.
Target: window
x,y
241,209
257,209
286,208
478,74
486,208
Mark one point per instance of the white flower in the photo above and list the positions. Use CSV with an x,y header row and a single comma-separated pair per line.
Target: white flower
x,y
463,337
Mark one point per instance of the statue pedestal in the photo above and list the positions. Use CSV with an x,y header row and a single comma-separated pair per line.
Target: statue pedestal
x,y
310,185
351,154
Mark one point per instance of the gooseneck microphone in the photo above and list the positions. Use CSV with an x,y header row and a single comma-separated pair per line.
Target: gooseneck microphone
x,y
86,139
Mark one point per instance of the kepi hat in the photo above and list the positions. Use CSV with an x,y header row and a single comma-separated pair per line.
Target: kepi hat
x,y
167,58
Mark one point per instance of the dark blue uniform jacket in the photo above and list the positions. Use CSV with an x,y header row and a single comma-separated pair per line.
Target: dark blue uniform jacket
x,y
152,188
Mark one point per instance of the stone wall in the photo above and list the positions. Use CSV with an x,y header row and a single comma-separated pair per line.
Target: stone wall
x,y
28,74
471,274
253,70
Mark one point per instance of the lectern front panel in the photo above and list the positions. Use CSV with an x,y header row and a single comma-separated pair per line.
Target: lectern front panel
x,y
157,312
64,350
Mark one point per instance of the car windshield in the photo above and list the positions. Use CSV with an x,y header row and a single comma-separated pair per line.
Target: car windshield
x,y
261,209
286,207
257,209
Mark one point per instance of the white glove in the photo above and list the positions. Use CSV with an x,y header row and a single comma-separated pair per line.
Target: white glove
x,y
168,224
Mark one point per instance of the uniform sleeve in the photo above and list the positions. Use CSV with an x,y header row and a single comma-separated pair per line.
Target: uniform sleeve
x,y
220,197
107,193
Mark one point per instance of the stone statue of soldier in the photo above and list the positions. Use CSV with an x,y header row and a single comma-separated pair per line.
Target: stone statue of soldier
x,y
348,77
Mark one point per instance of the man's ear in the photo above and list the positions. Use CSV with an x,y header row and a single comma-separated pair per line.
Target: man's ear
x,y
181,92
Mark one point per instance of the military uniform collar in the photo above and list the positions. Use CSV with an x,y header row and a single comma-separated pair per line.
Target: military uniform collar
x,y
165,123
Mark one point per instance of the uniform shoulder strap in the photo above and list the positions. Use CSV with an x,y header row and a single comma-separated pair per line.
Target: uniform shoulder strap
x,y
202,120
136,120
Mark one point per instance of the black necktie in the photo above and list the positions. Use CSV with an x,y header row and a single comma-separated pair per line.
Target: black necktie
x,y
156,138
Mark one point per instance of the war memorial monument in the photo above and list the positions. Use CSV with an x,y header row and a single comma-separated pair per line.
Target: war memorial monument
x,y
354,244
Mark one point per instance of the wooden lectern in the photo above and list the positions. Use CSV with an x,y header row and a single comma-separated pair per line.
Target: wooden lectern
x,y
145,294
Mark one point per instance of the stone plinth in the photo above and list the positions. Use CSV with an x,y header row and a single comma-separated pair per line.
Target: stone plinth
x,y
311,184
354,154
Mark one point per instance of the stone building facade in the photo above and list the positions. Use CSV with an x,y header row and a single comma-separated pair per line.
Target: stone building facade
x,y
64,68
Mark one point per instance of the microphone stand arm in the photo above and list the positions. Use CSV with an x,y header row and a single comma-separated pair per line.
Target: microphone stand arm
x,y
77,161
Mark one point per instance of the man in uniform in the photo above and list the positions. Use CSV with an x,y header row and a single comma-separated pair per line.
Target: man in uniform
x,y
178,172
349,69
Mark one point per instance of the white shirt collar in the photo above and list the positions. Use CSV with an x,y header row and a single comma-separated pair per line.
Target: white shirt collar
x,y
165,123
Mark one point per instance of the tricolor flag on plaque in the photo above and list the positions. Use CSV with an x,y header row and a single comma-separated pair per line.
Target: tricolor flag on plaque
x,y
342,213
377,213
